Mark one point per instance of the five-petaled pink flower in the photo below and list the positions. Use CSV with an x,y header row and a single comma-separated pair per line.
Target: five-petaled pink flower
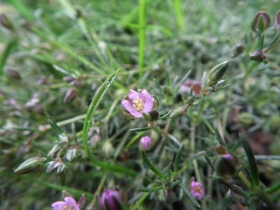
x,y
146,142
68,204
197,190
137,102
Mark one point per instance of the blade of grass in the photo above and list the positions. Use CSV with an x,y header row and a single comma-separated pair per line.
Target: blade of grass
x,y
142,25
89,115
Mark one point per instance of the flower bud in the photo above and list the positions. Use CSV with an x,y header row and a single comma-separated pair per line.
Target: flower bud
x,y
13,74
257,55
238,49
261,22
216,73
197,190
110,200
151,116
234,197
246,119
29,165
108,149
70,95
56,164
226,165
72,153
146,143
277,21
6,22
178,112
167,91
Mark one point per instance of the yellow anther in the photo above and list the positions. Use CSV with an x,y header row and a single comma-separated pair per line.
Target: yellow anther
x,y
198,189
138,104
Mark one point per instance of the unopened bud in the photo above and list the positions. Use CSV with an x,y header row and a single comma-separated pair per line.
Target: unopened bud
x,y
28,165
13,74
178,112
245,119
226,165
154,115
261,22
110,200
57,164
6,22
257,55
167,91
277,21
216,73
108,149
146,143
190,100
234,197
70,95
72,153
238,49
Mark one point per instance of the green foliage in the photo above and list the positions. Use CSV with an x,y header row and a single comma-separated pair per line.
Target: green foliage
x,y
211,78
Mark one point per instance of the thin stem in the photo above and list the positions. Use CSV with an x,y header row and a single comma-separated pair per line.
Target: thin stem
x,y
142,25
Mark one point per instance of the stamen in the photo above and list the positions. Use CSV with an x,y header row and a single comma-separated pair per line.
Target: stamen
x,y
138,104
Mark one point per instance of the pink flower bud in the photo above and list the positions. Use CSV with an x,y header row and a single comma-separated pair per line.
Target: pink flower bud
x,y
146,142
110,200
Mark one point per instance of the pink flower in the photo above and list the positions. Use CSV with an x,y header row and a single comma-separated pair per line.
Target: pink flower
x,y
197,190
146,142
68,204
137,102
110,200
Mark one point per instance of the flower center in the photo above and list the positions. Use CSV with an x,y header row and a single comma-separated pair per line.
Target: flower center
x,y
198,189
70,207
138,104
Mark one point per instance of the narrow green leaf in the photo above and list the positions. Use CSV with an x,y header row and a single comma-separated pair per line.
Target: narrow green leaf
x,y
209,161
22,8
189,195
141,129
252,162
152,189
88,119
166,115
150,165
177,87
178,157
273,189
60,133
5,54
208,125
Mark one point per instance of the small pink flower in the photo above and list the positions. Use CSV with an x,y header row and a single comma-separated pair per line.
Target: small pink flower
x,y
146,142
109,199
197,190
68,204
137,102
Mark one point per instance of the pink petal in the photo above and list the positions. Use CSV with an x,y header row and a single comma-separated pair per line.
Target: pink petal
x,y
147,100
59,205
133,95
128,106
70,201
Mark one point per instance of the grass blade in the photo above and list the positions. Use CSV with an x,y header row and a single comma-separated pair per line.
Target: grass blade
x,y
151,166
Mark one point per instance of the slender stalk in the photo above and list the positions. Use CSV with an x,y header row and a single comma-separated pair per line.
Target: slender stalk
x,y
142,25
